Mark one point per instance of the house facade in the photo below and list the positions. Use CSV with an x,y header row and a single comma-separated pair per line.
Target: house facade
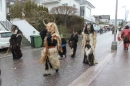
x,y
84,7
2,10
102,18
119,21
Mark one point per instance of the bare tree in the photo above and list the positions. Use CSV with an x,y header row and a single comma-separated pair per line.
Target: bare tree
x,y
65,10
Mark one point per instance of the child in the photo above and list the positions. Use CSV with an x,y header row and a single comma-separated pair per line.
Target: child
x,y
88,55
63,41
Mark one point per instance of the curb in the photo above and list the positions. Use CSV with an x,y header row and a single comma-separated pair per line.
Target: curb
x,y
92,72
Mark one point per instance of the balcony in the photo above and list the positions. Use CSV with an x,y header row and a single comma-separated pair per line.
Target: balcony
x,y
49,1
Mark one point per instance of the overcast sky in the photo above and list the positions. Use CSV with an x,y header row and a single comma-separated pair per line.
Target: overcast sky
x,y
107,7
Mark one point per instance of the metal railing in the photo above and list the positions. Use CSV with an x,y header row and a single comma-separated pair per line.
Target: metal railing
x,y
7,24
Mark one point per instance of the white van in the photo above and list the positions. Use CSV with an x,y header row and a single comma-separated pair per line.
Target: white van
x,y
4,39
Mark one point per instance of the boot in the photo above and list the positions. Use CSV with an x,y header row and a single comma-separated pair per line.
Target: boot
x,y
46,74
57,70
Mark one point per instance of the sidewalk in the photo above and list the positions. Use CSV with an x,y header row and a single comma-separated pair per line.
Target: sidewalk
x,y
113,70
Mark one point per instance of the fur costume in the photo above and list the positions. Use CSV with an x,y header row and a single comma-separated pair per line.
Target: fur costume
x,y
15,43
88,55
49,55
73,43
89,34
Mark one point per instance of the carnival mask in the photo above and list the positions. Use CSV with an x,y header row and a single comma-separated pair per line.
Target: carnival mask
x,y
50,28
89,28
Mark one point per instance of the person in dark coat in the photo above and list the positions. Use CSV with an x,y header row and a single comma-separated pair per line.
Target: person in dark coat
x,y
73,43
43,34
15,42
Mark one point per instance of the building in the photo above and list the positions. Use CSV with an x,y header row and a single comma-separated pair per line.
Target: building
x,y
105,18
102,18
119,21
2,10
84,7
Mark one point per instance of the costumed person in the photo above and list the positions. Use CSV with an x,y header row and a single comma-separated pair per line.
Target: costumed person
x,y
126,37
89,34
49,55
73,43
15,42
63,42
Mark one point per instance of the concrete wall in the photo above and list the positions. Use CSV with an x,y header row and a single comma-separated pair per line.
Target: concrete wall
x,y
2,28
26,28
2,10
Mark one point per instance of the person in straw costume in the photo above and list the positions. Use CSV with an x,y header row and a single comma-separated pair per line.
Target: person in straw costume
x,y
89,34
52,43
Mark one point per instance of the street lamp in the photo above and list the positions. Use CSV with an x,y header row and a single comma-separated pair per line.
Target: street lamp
x,y
114,43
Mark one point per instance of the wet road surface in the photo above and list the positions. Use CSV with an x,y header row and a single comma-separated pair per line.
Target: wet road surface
x,y
29,72
117,71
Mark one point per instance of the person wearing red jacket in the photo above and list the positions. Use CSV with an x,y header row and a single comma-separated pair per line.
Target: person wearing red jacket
x,y
126,37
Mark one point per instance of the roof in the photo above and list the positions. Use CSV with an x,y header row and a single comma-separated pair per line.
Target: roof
x,y
84,2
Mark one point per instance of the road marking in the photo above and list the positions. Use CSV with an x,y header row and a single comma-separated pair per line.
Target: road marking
x,y
92,72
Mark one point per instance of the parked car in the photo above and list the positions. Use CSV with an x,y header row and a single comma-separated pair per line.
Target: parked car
x,y
4,39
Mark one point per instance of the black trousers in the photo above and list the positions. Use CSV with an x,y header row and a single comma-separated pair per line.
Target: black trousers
x,y
64,51
74,49
48,64
16,52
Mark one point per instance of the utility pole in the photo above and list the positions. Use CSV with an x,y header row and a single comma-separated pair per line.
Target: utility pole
x,y
114,43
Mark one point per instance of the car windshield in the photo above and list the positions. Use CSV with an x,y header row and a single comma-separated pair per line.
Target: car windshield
x,y
5,34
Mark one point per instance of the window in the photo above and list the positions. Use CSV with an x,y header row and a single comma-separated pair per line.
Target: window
x,y
66,4
5,35
0,5
74,5
82,11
